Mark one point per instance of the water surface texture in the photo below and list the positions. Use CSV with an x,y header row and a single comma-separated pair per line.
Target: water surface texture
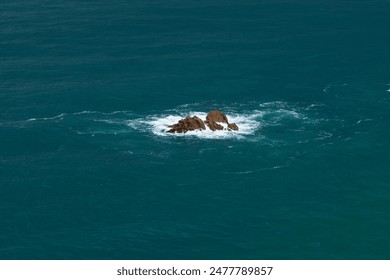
x,y
88,88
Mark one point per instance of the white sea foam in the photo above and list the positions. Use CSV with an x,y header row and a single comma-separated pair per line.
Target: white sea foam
x,y
250,121
101,113
85,112
253,120
159,125
60,116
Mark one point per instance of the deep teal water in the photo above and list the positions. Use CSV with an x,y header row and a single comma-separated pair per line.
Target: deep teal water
x,y
85,87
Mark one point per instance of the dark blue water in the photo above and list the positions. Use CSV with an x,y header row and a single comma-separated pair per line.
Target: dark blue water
x,y
87,89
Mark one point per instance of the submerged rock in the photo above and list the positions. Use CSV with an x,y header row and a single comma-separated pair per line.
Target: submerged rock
x,y
213,120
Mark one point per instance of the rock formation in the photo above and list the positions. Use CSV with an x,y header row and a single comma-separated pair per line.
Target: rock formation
x,y
213,120
215,117
187,124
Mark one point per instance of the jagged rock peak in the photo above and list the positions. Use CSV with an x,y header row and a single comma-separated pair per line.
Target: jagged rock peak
x,y
187,124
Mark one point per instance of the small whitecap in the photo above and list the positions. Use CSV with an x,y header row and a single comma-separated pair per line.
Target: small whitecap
x,y
60,116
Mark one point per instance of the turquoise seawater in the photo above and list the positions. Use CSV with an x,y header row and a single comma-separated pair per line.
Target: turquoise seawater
x,y
87,89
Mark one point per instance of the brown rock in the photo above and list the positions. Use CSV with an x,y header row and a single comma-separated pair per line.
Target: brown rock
x,y
194,123
232,126
213,125
187,124
213,117
216,116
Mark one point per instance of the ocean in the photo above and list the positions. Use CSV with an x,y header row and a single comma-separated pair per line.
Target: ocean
x,y
88,89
